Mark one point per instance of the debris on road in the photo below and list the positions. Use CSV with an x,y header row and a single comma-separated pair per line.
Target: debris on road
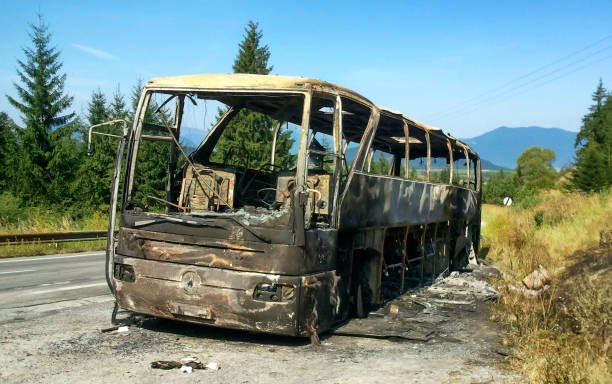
x,y
117,328
186,365
529,292
186,369
163,364
537,279
418,316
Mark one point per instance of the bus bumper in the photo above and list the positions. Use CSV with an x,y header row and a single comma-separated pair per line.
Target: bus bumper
x,y
217,297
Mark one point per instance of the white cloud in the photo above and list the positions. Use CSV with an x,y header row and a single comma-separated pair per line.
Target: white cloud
x,y
96,52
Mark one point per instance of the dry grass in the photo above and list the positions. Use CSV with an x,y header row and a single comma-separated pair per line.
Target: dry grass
x,y
37,221
562,335
51,248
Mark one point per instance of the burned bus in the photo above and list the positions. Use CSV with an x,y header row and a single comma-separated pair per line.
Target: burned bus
x,y
345,206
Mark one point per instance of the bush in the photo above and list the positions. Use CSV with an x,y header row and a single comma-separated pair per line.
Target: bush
x,y
11,209
499,186
526,197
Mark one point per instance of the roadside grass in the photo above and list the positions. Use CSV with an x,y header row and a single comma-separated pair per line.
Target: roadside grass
x,y
36,221
563,334
8,251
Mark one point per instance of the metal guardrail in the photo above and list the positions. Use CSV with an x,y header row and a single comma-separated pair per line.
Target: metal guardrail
x,y
51,237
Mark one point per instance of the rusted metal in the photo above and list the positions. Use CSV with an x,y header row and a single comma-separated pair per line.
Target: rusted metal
x,y
287,250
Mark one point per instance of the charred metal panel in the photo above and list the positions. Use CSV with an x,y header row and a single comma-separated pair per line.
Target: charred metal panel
x,y
272,228
198,198
320,183
226,254
324,301
320,250
319,255
371,239
211,296
393,201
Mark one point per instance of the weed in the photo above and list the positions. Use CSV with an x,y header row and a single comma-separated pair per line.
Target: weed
x,y
562,335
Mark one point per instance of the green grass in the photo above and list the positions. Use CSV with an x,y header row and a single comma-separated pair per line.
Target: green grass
x,y
36,221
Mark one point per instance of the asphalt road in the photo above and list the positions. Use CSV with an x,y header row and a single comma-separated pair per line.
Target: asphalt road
x,y
31,281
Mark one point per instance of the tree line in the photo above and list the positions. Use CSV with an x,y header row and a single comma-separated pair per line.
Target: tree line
x,y
44,160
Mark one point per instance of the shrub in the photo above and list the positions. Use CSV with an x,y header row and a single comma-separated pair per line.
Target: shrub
x,y
11,209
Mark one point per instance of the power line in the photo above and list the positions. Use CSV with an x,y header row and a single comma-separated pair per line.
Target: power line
x,y
539,69
524,84
537,85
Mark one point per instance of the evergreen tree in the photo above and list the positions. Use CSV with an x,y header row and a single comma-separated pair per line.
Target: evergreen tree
x,y
42,104
252,58
97,110
64,164
8,152
247,139
96,171
593,170
117,108
151,174
589,174
380,165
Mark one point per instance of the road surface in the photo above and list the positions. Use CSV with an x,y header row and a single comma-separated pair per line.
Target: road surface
x,y
52,309
32,281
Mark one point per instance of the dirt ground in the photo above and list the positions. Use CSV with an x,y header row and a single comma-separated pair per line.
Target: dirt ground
x,y
63,342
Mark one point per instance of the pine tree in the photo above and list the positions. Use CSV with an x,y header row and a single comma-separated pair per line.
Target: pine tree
x,y
593,170
8,152
64,164
150,176
43,104
380,165
247,139
251,57
586,176
97,110
117,107
96,171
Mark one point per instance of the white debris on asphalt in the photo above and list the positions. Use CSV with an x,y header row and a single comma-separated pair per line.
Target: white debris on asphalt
x,y
125,328
186,369
186,360
212,366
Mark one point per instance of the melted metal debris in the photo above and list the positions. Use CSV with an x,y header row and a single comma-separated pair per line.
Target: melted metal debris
x,y
417,315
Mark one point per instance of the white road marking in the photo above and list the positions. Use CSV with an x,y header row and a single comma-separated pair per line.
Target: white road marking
x,y
45,258
23,271
54,283
67,288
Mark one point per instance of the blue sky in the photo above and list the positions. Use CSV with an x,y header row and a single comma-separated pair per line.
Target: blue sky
x,y
450,64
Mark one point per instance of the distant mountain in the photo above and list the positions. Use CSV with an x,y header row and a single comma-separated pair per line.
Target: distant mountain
x,y
498,148
486,164
192,137
435,163
503,145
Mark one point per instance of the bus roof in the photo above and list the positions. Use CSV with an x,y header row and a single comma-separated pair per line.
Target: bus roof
x,y
245,81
